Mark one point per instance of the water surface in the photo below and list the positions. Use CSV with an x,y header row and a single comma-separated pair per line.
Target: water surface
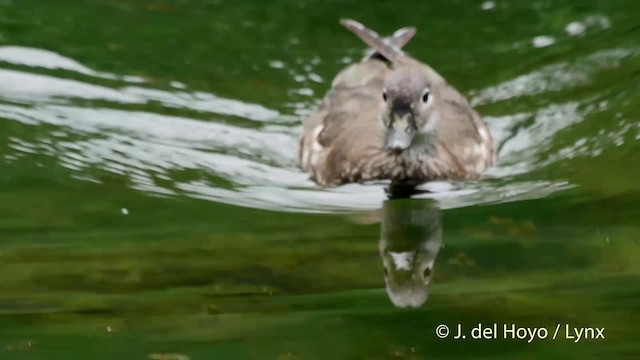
x,y
150,206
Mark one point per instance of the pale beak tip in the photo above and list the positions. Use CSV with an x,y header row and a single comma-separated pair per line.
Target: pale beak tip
x,y
396,147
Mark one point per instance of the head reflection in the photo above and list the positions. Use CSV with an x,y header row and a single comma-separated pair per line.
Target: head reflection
x,y
410,239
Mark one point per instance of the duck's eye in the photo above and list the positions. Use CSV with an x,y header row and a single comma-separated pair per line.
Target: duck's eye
x,y
427,273
384,95
425,97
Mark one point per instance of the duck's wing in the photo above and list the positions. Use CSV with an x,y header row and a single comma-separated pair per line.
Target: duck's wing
x,y
388,50
397,40
340,138
463,138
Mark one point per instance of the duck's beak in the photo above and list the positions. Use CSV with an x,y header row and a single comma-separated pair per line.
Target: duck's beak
x,y
400,134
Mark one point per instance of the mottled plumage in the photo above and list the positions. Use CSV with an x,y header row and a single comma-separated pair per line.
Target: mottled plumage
x,y
391,117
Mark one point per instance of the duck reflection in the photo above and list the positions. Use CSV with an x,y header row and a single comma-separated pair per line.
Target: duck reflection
x,y
410,239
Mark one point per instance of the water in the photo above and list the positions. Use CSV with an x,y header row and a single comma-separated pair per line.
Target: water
x,y
151,207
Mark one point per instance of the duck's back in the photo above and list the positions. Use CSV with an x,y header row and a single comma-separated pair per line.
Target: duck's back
x,y
341,140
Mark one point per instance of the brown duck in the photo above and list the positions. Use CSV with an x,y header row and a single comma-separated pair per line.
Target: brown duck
x,y
391,117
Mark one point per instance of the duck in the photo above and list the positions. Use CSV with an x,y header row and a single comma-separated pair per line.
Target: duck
x,y
390,117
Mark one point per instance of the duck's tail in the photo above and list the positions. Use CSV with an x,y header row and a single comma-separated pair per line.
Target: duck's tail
x,y
389,49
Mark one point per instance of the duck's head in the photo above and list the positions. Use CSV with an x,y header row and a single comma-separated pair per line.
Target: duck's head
x,y
409,114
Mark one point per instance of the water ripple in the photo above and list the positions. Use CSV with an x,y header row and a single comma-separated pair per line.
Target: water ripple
x,y
172,155
553,77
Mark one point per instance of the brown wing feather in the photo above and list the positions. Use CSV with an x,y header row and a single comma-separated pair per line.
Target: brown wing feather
x,y
467,138
371,38
340,135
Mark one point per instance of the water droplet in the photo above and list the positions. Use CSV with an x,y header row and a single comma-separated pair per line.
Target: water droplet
x,y
178,85
304,92
488,5
575,28
276,64
315,77
543,41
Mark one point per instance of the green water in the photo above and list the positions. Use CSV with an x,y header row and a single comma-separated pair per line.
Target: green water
x,y
150,207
